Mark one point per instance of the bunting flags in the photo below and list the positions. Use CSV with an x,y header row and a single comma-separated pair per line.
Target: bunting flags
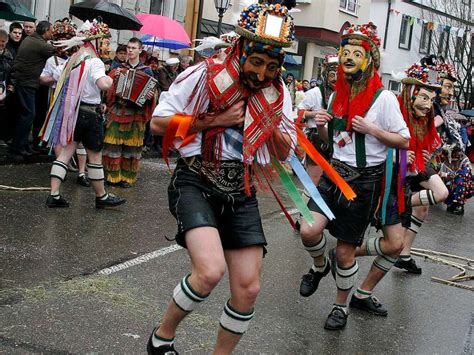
x,y
434,26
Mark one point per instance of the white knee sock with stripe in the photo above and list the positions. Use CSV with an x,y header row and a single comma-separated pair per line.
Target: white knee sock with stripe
x,y
346,278
185,297
234,321
317,249
427,198
415,224
382,261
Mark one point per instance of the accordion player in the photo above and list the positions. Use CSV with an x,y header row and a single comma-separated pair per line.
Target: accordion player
x,y
134,85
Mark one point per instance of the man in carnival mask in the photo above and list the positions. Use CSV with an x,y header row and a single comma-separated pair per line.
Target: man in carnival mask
x,y
239,115
362,120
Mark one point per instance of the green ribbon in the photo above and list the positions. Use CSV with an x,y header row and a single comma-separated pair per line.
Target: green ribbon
x,y
293,192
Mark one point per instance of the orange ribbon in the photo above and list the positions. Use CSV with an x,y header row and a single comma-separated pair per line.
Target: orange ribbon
x,y
177,128
327,168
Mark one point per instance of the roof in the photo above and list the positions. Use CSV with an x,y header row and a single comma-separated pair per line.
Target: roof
x,y
209,27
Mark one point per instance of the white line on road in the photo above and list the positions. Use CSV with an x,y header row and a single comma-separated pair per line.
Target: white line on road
x,y
139,260
292,211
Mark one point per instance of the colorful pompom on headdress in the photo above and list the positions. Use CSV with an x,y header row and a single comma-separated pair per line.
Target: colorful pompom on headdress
x,y
94,30
363,35
421,75
446,71
63,30
268,23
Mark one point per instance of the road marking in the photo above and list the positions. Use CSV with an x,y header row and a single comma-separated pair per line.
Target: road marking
x,y
139,260
292,211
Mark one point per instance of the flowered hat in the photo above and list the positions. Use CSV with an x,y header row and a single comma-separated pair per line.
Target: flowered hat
x,y
446,71
267,23
94,30
363,35
330,60
63,30
422,75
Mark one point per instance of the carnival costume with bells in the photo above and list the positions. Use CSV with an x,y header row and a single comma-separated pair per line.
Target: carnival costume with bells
x,y
263,28
330,63
62,115
125,130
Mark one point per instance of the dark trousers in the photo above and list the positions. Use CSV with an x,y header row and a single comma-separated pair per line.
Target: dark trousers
x,y
7,118
25,101
42,106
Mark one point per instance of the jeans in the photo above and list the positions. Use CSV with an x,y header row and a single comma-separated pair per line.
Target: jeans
x,y
25,100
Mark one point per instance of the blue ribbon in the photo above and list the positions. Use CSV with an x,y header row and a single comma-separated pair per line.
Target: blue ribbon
x,y
310,187
388,182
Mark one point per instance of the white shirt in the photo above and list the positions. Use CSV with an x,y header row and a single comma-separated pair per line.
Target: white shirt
x,y
385,114
51,66
312,102
175,101
94,69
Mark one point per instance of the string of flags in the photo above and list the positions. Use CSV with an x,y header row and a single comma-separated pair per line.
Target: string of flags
x,y
434,26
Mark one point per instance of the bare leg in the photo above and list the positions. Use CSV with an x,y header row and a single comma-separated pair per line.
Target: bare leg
x,y
345,256
419,212
208,267
436,185
312,235
315,172
64,157
244,278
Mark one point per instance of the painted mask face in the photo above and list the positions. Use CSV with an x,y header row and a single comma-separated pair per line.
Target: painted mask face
x,y
447,92
332,77
352,59
259,70
423,102
104,48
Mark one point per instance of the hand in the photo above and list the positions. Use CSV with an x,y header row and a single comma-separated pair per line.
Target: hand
x,y
426,156
11,88
322,117
361,125
103,108
410,156
233,116
150,95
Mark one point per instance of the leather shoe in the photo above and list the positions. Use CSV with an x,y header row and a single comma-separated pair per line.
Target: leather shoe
x,y
160,350
110,201
310,281
456,209
124,185
409,265
369,304
337,319
83,181
60,202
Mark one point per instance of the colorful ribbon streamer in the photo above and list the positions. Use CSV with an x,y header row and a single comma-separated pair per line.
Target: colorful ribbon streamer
x,y
178,128
310,187
388,182
293,192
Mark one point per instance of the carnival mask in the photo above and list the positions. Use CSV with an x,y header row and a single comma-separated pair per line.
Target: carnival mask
x,y
423,102
353,59
259,70
331,79
447,91
104,48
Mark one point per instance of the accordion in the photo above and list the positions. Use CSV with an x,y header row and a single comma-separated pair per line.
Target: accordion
x,y
134,85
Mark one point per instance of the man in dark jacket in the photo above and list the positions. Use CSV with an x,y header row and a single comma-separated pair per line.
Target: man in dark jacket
x,y
168,73
27,67
6,61
14,39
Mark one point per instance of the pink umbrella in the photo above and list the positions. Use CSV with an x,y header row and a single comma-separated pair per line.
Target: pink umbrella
x,y
163,27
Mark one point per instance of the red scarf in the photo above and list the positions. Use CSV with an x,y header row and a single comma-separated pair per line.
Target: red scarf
x,y
344,106
430,141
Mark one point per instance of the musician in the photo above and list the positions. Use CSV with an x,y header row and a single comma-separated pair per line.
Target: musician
x,y
211,194
125,127
74,114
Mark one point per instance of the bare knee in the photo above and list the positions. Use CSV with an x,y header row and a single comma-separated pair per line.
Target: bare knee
x,y
309,234
246,292
345,255
420,212
208,277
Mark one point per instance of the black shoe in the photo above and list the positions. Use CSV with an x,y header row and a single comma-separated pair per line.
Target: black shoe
x,y
310,281
369,304
456,209
409,265
83,181
110,201
337,319
161,350
124,185
60,202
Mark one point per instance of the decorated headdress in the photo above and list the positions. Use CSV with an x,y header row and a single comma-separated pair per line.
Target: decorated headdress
x,y
422,75
446,71
63,30
88,32
330,60
268,23
363,35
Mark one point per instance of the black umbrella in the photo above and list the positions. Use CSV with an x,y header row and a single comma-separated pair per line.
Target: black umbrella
x,y
13,10
112,14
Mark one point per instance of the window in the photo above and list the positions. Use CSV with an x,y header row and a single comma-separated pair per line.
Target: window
x,y
443,44
406,31
349,5
425,39
394,86
156,7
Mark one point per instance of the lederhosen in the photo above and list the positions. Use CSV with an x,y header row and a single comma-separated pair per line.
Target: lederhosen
x,y
352,217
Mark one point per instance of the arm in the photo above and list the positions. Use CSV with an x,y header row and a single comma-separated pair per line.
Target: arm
x,y
282,143
47,80
104,83
393,140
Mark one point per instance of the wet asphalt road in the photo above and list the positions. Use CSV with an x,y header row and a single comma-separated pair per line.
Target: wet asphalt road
x,y
53,301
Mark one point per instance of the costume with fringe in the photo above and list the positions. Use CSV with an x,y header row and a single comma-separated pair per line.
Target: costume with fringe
x,y
124,133
58,128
